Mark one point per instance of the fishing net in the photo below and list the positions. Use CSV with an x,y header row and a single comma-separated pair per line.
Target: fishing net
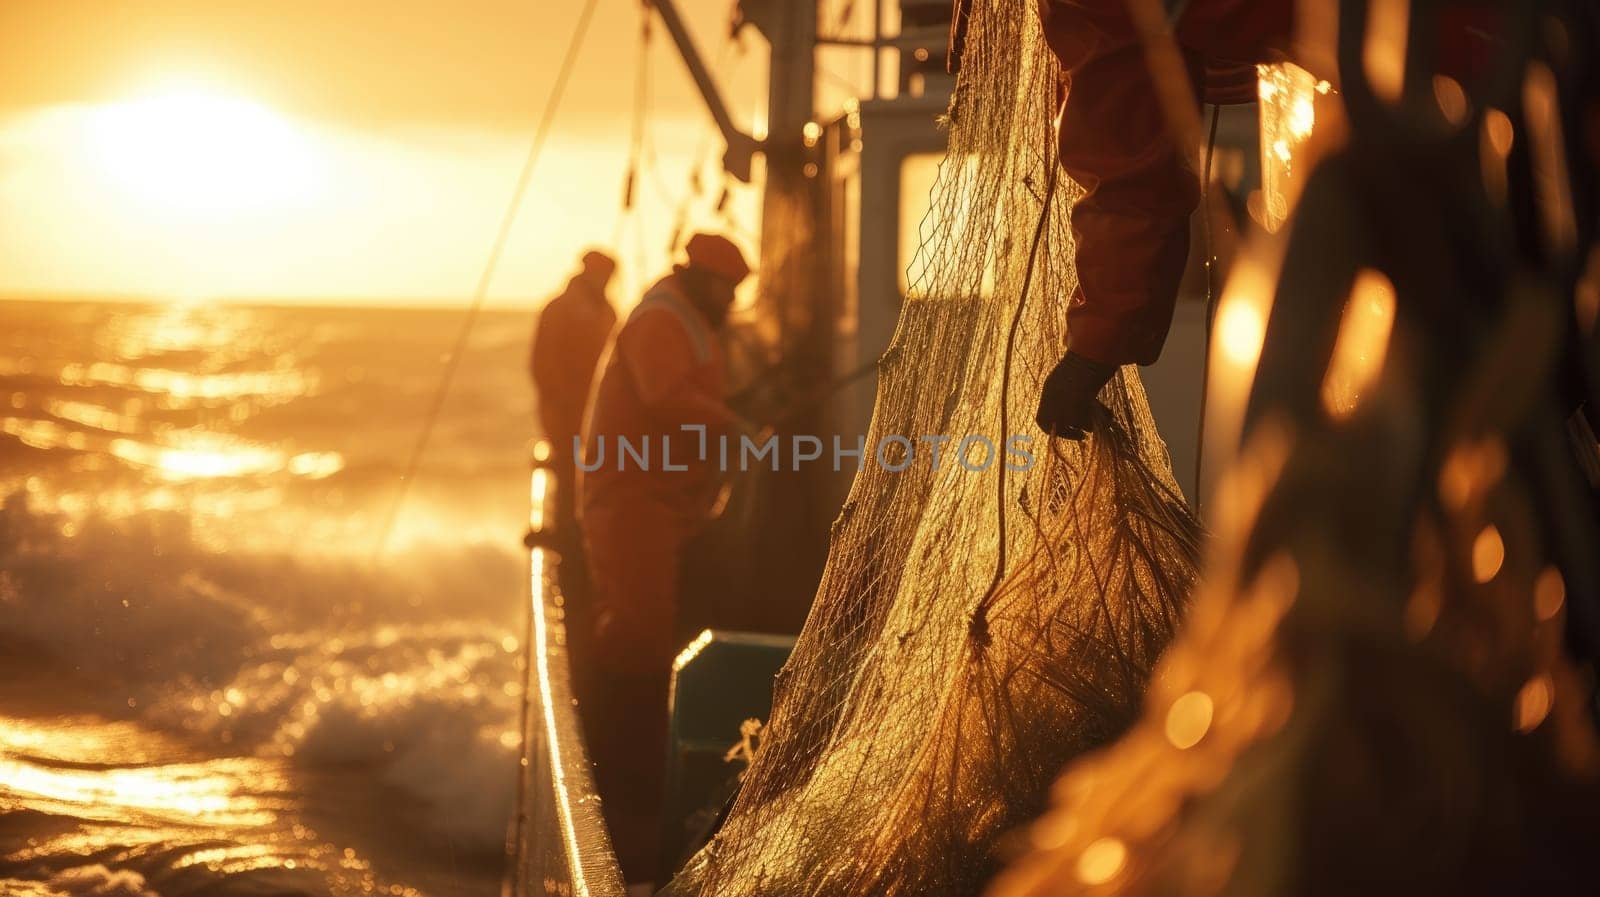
x,y
978,624
1386,681
1354,705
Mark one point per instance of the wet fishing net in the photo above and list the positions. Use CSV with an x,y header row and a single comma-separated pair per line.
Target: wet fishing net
x,y
982,620
1386,681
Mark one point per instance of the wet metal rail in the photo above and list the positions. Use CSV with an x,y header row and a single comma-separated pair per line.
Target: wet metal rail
x,y
558,843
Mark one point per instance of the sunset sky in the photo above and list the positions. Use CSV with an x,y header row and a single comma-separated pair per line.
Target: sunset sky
x,y
358,150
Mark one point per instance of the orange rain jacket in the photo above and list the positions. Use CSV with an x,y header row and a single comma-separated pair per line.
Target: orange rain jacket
x,y
1131,226
567,343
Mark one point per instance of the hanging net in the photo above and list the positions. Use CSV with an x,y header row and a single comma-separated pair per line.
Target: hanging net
x,y
1385,683
976,627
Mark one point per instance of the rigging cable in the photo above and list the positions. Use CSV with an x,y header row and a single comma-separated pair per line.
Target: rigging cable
x,y
683,206
1211,305
629,215
978,622
640,110
541,133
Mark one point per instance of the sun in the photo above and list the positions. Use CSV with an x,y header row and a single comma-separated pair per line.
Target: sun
x,y
196,149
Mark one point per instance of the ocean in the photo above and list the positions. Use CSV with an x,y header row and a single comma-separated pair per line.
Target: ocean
x,y
217,675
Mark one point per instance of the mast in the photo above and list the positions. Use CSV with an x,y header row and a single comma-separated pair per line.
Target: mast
x,y
791,277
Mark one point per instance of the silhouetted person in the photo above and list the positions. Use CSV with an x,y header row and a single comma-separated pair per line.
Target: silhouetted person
x,y
567,342
1131,225
665,371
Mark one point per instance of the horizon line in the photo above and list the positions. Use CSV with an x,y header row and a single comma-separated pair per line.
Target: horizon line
x,y
334,300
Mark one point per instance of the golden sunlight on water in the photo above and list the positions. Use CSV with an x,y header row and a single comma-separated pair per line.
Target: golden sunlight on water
x,y
209,696
178,389
172,398
127,786
236,460
178,327
211,791
133,793
196,454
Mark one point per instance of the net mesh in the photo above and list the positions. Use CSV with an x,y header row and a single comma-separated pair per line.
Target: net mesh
x,y
974,629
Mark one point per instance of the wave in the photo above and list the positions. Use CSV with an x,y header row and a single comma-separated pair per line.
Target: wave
x,y
82,881
409,670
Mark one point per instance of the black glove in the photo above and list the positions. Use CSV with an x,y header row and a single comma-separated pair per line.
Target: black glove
x,y
1067,403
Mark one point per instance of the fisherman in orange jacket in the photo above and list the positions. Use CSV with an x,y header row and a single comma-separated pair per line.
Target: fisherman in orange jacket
x,y
664,373
567,342
1131,226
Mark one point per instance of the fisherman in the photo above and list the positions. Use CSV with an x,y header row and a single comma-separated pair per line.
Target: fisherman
x,y
662,388
1131,225
567,342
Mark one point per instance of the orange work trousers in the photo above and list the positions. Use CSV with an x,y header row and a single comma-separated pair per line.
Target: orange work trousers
x,y
625,662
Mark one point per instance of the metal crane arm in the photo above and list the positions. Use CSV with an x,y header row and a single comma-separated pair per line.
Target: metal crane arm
x,y
741,146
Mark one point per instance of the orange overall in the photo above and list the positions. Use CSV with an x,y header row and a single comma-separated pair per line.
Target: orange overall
x,y
1131,226
665,372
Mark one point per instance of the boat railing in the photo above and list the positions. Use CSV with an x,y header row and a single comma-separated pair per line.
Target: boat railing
x,y
558,843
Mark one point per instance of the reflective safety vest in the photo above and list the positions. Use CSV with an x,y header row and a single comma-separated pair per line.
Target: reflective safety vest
x,y
664,372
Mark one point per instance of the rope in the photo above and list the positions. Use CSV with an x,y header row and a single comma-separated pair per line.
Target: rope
x,y
1211,307
628,213
641,103
725,69
978,624
481,292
